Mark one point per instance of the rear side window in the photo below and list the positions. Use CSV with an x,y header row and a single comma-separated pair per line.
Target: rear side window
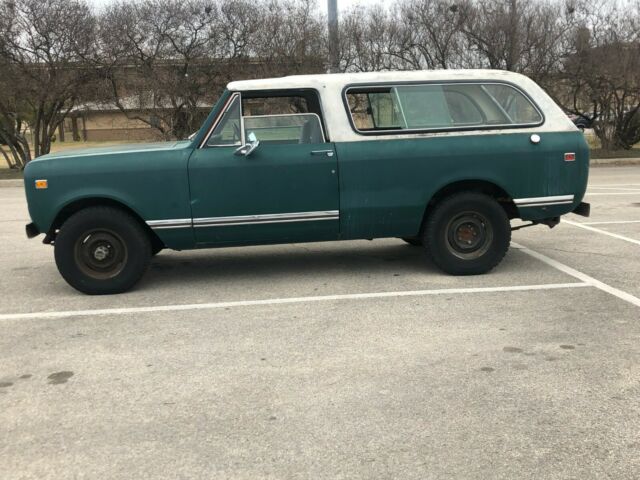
x,y
439,107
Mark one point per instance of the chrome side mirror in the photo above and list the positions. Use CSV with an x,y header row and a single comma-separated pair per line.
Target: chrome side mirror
x,y
247,149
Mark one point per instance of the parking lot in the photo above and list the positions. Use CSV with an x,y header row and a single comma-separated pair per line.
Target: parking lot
x,y
328,361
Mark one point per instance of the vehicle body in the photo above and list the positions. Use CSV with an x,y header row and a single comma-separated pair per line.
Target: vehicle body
x,y
363,156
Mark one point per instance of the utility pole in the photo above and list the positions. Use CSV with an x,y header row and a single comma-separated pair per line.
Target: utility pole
x,y
332,10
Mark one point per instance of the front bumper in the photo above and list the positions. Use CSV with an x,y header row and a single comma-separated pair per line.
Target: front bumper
x,y
32,230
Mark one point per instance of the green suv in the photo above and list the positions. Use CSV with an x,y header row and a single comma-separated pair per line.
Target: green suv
x,y
441,159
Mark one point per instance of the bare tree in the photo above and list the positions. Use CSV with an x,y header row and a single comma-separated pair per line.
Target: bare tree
x,y
516,35
290,38
45,42
600,76
368,36
157,59
431,33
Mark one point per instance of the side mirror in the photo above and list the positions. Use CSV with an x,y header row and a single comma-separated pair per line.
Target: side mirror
x,y
248,148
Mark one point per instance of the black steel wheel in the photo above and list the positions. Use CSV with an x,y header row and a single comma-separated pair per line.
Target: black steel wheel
x,y
102,250
467,234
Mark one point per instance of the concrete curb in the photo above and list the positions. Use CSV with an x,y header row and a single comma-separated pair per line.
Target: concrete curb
x,y
614,162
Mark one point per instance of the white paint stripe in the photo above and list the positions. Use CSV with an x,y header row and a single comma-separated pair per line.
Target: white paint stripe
x,y
611,193
607,185
621,222
622,189
589,280
603,232
280,301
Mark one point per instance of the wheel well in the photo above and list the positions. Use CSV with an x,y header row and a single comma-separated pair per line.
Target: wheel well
x,y
480,186
74,207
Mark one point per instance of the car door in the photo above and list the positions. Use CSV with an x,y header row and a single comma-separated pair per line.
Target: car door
x,y
285,190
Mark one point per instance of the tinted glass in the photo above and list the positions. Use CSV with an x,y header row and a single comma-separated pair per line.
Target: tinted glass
x,y
440,107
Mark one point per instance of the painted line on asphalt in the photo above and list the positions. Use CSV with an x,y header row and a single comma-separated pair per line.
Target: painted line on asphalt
x,y
610,193
283,301
607,185
603,232
622,189
587,279
613,222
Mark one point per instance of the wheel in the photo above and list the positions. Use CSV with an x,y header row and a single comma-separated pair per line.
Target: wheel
x,y
102,250
467,234
413,241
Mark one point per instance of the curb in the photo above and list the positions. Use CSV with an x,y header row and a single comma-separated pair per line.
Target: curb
x,y
613,162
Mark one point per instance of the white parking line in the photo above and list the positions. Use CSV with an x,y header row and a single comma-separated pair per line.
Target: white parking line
x,y
622,189
281,301
603,232
579,275
610,193
607,185
613,222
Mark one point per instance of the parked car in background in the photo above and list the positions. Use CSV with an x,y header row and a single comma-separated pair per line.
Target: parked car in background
x,y
583,122
442,159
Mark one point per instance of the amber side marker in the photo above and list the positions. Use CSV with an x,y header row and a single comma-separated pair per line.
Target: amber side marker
x,y
42,184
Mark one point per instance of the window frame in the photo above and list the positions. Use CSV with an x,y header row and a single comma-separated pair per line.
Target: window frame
x,y
216,122
369,133
255,94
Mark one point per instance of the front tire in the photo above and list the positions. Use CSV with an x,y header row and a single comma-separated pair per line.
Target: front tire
x,y
102,250
467,234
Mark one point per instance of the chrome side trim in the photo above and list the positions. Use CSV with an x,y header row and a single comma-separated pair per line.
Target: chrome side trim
x,y
173,223
269,218
544,201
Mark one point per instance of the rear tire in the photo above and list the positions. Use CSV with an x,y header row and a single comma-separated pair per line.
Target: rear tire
x,y
467,234
102,250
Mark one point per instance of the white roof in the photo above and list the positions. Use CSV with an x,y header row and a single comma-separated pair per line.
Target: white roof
x,y
339,80
330,88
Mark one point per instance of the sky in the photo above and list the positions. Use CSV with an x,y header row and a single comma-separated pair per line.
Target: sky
x,y
342,4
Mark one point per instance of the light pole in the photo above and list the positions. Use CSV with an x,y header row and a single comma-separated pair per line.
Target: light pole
x,y
332,10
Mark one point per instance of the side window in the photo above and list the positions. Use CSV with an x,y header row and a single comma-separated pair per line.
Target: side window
x,y
283,117
374,110
285,129
422,106
516,106
439,107
228,131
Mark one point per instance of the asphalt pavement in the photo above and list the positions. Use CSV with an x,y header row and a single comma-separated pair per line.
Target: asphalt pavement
x,y
344,360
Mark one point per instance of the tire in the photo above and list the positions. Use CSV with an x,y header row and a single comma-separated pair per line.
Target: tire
x,y
413,241
467,233
102,250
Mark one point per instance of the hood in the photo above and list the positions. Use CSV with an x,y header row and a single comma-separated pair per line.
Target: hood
x,y
115,149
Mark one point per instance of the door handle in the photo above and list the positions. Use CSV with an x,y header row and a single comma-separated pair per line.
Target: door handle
x,y
328,153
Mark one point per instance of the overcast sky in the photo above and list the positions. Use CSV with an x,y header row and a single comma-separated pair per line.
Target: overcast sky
x,y
342,4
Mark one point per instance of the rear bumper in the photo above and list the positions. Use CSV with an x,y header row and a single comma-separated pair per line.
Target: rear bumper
x,y
32,230
583,209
